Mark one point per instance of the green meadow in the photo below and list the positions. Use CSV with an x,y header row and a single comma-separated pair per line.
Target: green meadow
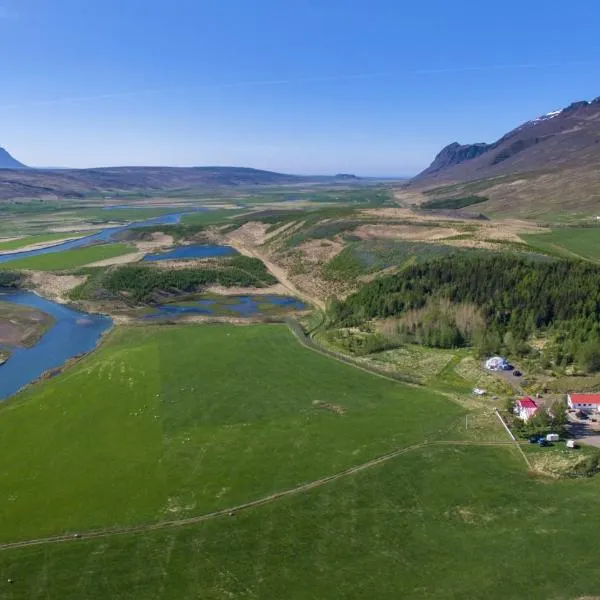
x,y
568,242
69,259
165,423
140,431
439,523
35,239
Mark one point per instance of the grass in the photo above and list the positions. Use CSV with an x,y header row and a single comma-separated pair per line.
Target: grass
x,y
177,421
568,242
212,217
68,259
35,239
453,203
370,256
426,363
439,523
100,215
171,422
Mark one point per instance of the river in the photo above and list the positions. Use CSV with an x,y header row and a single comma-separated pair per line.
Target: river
x,y
105,235
73,333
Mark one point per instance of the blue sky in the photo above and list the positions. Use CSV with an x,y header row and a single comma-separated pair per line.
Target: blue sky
x,y
314,86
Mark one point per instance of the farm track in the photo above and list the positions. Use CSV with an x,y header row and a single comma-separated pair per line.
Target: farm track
x,y
231,511
276,270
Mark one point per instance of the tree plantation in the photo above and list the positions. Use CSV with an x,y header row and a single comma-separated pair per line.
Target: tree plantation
x,y
495,302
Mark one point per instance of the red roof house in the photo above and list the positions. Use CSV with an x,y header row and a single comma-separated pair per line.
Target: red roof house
x,y
584,402
525,408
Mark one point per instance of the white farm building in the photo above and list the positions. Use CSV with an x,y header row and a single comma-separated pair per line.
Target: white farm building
x,y
496,363
587,403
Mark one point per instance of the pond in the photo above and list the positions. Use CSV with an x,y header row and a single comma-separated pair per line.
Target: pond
x,y
232,306
73,333
193,251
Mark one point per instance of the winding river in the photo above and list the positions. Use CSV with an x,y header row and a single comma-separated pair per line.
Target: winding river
x,y
73,332
104,235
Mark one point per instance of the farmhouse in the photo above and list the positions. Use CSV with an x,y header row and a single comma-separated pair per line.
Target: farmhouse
x,y
588,403
525,408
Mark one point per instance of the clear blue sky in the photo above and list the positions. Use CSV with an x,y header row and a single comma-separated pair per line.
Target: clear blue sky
x,y
314,86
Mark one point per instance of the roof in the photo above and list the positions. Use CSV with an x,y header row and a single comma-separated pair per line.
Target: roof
x,y
527,403
585,398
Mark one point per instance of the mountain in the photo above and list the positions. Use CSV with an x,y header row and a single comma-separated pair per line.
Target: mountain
x,y
570,136
547,164
8,162
78,183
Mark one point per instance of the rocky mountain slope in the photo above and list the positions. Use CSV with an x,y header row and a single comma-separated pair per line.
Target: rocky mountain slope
x,y
8,162
562,138
546,169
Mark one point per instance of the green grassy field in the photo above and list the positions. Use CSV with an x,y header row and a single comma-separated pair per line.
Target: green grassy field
x,y
438,523
100,215
35,239
141,432
569,242
69,259
212,217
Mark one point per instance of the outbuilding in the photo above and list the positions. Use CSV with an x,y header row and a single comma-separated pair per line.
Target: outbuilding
x,y
587,403
496,363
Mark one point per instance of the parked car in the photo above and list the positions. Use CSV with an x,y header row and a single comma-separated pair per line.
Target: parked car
x,y
517,373
534,439
543,443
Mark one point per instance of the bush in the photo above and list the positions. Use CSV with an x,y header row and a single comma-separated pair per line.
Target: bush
x,y
10,279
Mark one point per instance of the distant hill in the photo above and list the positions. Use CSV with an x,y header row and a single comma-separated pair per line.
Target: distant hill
x,y
78,183
549,163
8,162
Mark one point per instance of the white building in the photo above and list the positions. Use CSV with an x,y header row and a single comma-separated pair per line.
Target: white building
x,y
587,403
496,363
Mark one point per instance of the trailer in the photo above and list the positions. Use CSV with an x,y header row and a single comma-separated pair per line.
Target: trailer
x,y
552,437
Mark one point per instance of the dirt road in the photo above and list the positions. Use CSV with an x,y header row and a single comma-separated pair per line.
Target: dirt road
x,y
278,271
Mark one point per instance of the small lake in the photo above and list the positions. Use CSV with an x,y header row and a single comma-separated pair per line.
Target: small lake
x,y
104,235
193,251
73,333
233,306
